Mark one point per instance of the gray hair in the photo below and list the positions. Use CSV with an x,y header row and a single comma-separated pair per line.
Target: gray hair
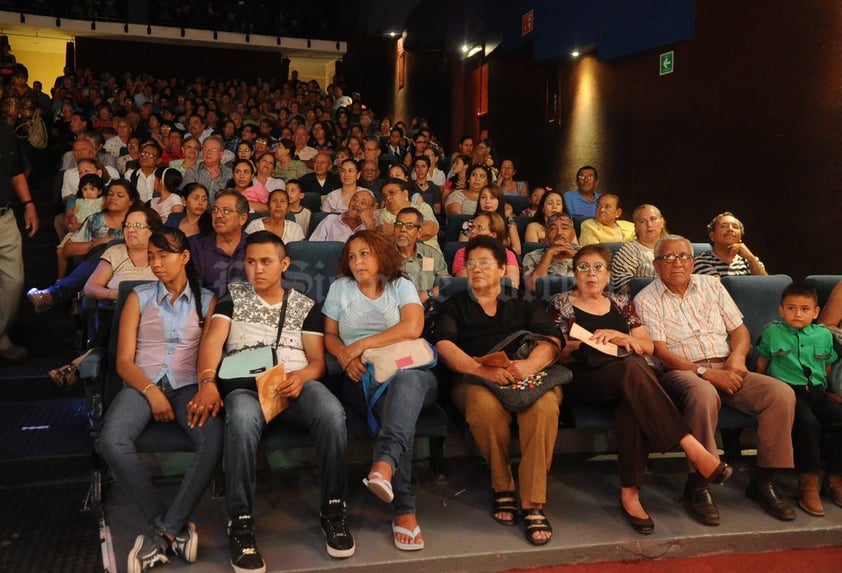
x,y
670,239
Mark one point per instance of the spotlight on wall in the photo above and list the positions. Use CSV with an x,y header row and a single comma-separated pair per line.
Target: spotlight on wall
x,y
465,48
575,54
148,30
58,22
309,43
473,51
126,27
393,34
22,18
183,32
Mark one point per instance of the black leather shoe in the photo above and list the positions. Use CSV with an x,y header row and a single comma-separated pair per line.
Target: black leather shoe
x,y
765,494
643,525
700,505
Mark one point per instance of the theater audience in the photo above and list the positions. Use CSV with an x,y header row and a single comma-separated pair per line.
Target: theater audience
x,y
581,202
635,258
729,255
536,230
489,224
277,222
218,257
339,227
557,258
606,227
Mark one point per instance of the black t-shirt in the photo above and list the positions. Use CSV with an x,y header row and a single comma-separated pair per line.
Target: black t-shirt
x,y
11,162
462,321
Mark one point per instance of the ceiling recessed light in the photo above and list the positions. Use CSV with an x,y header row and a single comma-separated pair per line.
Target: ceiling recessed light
x,y
575,53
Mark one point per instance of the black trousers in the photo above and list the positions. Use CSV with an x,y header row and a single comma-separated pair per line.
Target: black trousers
x,y
817,415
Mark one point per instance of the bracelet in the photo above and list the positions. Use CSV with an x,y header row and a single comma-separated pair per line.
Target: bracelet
x,y
27,202
210,371
148,387
207,380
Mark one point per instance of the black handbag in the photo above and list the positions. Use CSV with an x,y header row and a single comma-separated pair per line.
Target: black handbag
x,y
239,370
520,395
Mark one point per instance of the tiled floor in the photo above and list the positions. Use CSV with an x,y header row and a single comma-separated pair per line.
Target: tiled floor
x,y
461,536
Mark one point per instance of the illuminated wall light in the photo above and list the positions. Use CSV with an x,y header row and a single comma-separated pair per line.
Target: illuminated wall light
x,y
575,54
465,48
473,51
393,34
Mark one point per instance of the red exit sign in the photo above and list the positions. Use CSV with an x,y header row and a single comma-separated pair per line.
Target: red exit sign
x,y
527,22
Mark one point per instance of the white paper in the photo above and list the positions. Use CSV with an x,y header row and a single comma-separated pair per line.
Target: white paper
x,y
584,335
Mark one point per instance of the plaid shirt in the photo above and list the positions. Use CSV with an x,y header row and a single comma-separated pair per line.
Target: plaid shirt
x,y
694,326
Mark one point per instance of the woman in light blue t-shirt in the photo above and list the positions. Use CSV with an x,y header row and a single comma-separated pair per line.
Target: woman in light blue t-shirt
x,y
370,306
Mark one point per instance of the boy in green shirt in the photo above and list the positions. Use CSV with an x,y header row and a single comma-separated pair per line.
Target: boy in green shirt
x,y
800,353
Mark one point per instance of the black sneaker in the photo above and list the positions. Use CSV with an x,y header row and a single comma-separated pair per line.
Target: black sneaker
x,y
245,558
186,543
338,540
148,551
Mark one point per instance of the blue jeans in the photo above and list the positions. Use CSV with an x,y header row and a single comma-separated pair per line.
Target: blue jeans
x,y
65,289
125,420
315,409
397,410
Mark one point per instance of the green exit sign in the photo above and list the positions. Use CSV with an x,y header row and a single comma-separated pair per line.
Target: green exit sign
x,y
666,63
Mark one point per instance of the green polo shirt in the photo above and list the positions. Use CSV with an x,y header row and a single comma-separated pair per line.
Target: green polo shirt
x,y
790,349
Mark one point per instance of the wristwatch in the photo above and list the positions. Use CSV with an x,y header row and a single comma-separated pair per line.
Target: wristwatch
x,y
431,294
701,371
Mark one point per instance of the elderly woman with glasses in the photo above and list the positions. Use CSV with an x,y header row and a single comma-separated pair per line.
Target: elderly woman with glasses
x,y
635,258
644,417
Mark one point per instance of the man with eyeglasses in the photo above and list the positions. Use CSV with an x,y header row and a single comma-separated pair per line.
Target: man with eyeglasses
x,y
218,257
700,337
210,172
581,203
421,263
395,193
143,178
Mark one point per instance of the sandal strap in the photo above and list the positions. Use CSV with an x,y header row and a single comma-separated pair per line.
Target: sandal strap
x,y
536,520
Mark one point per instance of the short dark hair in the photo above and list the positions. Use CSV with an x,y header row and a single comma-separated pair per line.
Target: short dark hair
x,y
485,242
582,168
800,288
423,158
267,237
404,186
411,211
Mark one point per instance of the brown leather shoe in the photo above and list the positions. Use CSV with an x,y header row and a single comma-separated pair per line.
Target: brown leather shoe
x,y
809,500
833,488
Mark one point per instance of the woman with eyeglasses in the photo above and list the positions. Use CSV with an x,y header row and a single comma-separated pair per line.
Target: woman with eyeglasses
x,y
635,258
645,419
489,224
471,323
126,261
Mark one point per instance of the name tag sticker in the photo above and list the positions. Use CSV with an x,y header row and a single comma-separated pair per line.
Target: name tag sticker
x,y
427,264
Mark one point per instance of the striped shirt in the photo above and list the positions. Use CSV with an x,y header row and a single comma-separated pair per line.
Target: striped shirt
x,y
708,263
695,325
633,259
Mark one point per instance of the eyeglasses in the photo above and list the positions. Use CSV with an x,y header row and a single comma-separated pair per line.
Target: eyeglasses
x,y
652,219
409,226
148,154
596,267
211,150
223,211
586,177
483,264
138,226
671,258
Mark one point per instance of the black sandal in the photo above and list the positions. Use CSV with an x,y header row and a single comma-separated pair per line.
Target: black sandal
x,y
505,502
535,521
